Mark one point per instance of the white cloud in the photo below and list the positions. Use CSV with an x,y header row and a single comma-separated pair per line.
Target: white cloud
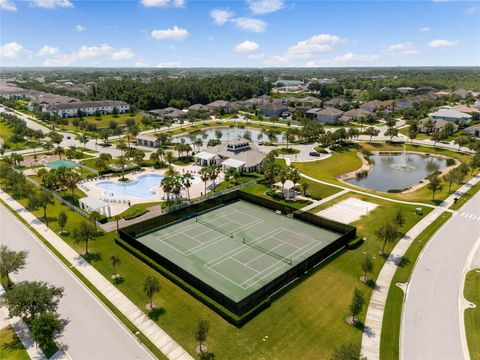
x,y
425,29
122,54
256,56
163,3
442,43
80,28
61,60
317,43
140,63
47,50
265,6
169,65
249,24
402,49
350,57
220,17
8,5
472,10
13,50
51,4
174,33
246,46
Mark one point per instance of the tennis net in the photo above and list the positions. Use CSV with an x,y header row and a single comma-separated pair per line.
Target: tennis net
x,y
267,251
213,227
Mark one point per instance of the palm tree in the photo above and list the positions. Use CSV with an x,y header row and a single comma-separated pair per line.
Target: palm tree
x,y
94,217
84,140
59,151
169,157
71,179
187,179
205,176
122,161
167,185
213,174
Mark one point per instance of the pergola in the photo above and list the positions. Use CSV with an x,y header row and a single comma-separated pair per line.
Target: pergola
x,y
233,163
90,204
204,158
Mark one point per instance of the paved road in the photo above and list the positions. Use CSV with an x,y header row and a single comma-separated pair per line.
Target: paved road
x,y
431,322
92,332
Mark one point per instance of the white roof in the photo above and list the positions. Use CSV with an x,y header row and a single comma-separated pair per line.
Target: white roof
x,y
288,184
205,155
233,163
93,203
450,114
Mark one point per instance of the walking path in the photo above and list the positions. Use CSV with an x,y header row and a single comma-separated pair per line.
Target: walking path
x,y
316,203
171,349
22,332
374,318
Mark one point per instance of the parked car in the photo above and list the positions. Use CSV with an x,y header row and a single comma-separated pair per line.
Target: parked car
x,y
69,137
314,153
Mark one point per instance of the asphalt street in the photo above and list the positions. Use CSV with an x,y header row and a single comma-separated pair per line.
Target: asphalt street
x,y
432,316
92,332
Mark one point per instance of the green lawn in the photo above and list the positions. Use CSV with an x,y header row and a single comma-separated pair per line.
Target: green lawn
x,y
260,189
305,322
472,315
420,136
137,208
389,342
11,348
6,131
105,119
465,197
318,191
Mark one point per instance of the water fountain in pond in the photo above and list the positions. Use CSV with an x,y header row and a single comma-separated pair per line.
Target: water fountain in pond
x,y
404,165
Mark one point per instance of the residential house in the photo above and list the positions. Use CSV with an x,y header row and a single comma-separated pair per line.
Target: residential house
x,y
146,140
335,102
45,100
473,130
465,109
273,109
329,115
221,106
239,154
170,112
461,93
355,114
200,108
88,108
312,113
451,115
372,106
405,89
442,93
429,125
404,103
422,90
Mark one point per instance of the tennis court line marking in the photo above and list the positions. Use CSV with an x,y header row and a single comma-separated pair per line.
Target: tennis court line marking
x,y
217,239
244,264
233,252
307,248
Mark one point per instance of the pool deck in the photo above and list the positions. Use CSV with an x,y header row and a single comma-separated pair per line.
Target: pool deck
x,y
116,208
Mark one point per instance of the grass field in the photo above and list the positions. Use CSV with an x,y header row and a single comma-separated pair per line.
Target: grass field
x,y
389,342
465,197
6,132
472,315
11,348
104,121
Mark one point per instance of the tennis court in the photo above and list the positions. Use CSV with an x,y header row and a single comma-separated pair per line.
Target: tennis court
x,y
238,248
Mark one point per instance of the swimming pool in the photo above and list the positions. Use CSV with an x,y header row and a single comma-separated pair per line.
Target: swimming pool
x,y
141,187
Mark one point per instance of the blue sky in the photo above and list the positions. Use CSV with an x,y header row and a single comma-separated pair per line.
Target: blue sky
x,y
247,33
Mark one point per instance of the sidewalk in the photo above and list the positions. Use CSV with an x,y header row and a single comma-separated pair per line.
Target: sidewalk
x,y
374,318
171,349
315,203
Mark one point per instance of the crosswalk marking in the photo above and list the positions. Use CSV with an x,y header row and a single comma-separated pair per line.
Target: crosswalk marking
x,y
470,216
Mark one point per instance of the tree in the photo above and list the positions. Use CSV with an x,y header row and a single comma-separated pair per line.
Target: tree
x,y
438,136
206,356
84,232
201,333
347,351
11,261
41,199
356,305
294,175
399,218
367,268
94,216
205,176
28,299
151,286
187,179
304,186
412,134
387,232
84,140
122,161
46,328
62,220
371,131
461,141
391,132
435,185
115,260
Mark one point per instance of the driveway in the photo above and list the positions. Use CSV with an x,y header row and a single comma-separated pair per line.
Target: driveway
x,y
92,332
432,319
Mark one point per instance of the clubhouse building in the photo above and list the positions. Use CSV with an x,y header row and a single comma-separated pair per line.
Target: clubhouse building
x,y
239,154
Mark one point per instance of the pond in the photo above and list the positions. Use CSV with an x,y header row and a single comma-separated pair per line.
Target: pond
x,y
141,187
398,171
228,133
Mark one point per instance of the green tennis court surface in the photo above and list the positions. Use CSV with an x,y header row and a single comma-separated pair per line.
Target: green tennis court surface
x,y
238,248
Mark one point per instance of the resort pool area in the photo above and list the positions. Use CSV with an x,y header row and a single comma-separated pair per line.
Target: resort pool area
x,y
228,133
141,187
398,171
